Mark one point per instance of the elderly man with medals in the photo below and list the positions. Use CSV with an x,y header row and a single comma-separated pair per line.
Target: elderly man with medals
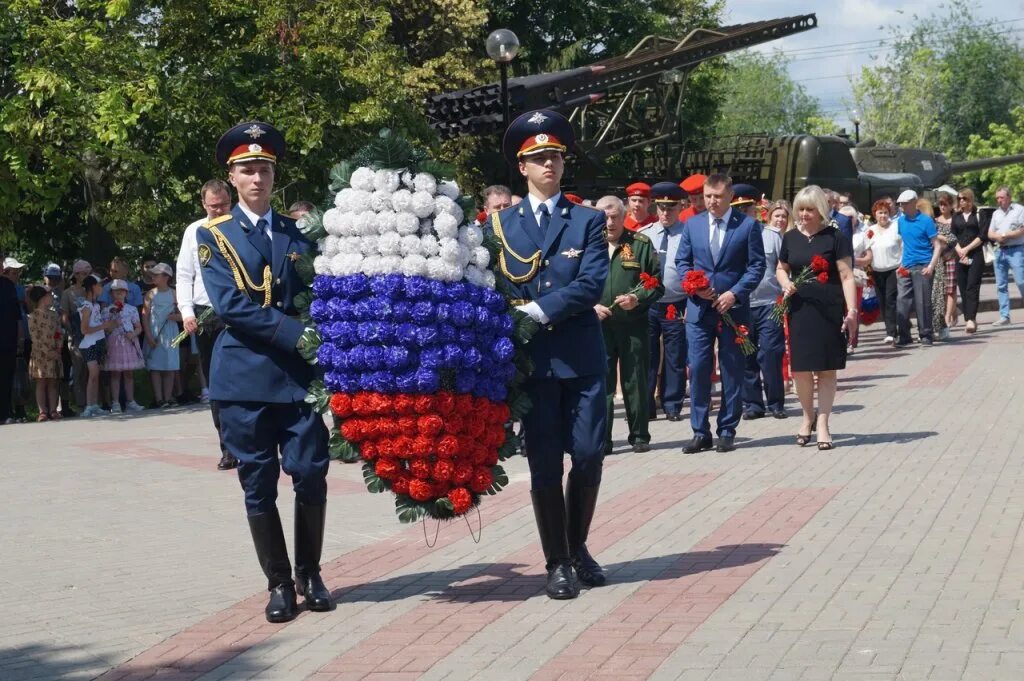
x,y
554,261
258,376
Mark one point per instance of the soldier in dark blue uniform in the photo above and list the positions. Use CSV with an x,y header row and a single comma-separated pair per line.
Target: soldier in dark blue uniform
x,y
258,376
555,260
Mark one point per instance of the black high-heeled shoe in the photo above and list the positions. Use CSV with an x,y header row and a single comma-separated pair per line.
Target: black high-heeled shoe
x,y
804,440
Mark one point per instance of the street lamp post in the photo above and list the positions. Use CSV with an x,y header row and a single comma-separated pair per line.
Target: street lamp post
x,y
503,46
856,127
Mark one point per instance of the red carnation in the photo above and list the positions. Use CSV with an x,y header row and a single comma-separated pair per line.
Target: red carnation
x,y
648,282
454,424
739,340
361,404
353,430
475,427
387,469
461,500
421,490
381,404
407,424
341,405
386,447
420,469
742,330
819,264
448,446
430,425
492,458
695,281
368,450
903,272
671,312
443,470
403,404
501,412
400,485
481,480
403,447
463,472
444,403
422,446
423,404
778,300
871,234
822,277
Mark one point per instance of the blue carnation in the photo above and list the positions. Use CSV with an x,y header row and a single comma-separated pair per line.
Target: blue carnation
x,y
438,289
427,336
455,291
396,357
463,313
427,381
506,325
471,358
319,311
387,286
474,294
374,355
406,381
337,309
466,337
423,312
321,286
494,301
452,355
325,356
373,332
405,334
503,349
343,333
446,333
417,287
465,381
401,311
432,358
443,312
355,286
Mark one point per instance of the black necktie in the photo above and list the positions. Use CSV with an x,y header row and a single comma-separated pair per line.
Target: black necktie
x,y
261,227
545,218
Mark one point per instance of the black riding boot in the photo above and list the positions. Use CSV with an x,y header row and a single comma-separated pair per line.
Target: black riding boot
x,y
309,541
580,502
268,537
549,508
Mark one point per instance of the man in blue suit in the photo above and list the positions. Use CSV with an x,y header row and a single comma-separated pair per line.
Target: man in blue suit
x,y
554,262
257,375
843,222
727,246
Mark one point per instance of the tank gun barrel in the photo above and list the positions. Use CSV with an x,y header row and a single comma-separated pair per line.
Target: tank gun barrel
x,y
957,167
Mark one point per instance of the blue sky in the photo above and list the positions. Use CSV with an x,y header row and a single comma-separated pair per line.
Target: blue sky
x,y
826,73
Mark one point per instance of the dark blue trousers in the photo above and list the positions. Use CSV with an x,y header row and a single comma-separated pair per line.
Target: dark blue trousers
x,y
672,363
567,415
701,337
770,339
257,432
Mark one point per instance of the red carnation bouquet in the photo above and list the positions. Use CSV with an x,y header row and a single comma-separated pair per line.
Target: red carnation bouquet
x,y
647,283
902,272
696,281
818,270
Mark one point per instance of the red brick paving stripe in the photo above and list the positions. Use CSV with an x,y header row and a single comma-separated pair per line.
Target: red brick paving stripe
x,y
242,626
142,449
422,637
634,639
946,368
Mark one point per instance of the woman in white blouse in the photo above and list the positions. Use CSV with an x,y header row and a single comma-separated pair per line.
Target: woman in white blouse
x,y
883,240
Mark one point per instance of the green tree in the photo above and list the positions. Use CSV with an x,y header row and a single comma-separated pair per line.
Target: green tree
x,y
1002,139
762,98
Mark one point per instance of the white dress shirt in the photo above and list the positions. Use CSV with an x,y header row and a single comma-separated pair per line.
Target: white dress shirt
x,y
190,290
253,218
716,234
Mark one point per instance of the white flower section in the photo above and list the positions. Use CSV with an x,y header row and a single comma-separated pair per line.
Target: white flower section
x,y
329,246
380,201
387,221
471,235
364,224
362,179
450,251
449,189
429,245
407,180
481,257
407,223
369,245
322,265
387,181
425,182
423,204
442,204
401,201
446,226
332,221
410,245
389,243
414,265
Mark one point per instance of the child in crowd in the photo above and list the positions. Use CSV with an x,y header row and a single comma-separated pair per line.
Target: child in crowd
x,y
161,325
123,353
93,345
45,365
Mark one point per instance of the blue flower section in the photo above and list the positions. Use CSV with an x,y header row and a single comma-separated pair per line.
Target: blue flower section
x,y
395,333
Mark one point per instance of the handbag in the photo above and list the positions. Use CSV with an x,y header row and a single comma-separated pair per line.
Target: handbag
x,y
988,250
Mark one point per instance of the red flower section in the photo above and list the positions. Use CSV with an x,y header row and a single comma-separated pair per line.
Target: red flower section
x,y
421,490
902,272
819,264
671,312
461,500
822,277
695,281
648,282
871,234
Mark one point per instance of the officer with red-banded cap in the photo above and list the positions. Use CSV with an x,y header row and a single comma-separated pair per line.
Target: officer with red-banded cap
x,y
554,260
257,376
638,205
694,188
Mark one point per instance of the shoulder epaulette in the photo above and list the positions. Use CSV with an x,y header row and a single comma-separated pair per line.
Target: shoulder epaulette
x,y
642,238
217,221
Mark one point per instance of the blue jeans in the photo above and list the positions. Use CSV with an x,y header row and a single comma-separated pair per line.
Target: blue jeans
x,y
1008,258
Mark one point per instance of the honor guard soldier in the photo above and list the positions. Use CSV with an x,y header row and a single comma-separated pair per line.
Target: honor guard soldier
x,y
623,315
667,332
638,206
555,261
258,377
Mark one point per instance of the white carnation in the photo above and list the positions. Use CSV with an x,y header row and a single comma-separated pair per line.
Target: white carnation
x,y
446,226
359,200
450,250
388,244
386,181
406,223
442,204
407,180
471,235
449,189
331,224
481,257
329,247
465,255
369,245
387,221
372,265
380,201
410,245
391,264
341,199
364,224
474,275
353,263
458,214
401,201
436,268
425,182
322,264
429,245
414,265
423,204
346,225
489,280
362,179
349,244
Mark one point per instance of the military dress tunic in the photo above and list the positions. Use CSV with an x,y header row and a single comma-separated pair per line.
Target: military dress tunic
x,y
626,336
563,270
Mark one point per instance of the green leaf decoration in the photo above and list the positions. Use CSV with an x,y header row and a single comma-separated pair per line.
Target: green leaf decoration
x,y
373,483
493,246
467,204
302,302
444,504
312,340
342,449
341,176
409,510
522,361
526,327
519,406
389,150
318,397
509,448
312,226
438,169
500,480
304,268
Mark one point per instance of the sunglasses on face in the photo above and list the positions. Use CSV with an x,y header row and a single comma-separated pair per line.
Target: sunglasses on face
x,y
962,198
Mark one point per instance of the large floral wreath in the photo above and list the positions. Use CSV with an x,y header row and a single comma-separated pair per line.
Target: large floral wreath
x,y
422,356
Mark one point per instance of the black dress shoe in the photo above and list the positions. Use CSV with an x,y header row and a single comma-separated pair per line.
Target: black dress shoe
x,y
227,462
309,542
674,417
549,509
580,502
753,415
725,444
641,447
312,588
562,584
282,606
780,413
698,444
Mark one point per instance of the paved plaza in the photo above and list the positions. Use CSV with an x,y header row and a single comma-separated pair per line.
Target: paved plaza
x,y
897,555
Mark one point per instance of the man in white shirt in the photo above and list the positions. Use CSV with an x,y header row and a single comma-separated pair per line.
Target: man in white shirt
x,y
192,298
1007,231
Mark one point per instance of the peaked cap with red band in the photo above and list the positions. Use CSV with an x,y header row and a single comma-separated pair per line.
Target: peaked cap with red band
x,y
639,189
537,131
573,198
694,184
250,141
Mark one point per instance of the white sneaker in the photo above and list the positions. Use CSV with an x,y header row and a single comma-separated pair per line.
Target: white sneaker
x,y
115,408
90,411
134,406
889,340
1002,321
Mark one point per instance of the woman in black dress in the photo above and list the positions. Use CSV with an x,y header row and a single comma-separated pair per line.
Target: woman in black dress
x,y
823,312
970,259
